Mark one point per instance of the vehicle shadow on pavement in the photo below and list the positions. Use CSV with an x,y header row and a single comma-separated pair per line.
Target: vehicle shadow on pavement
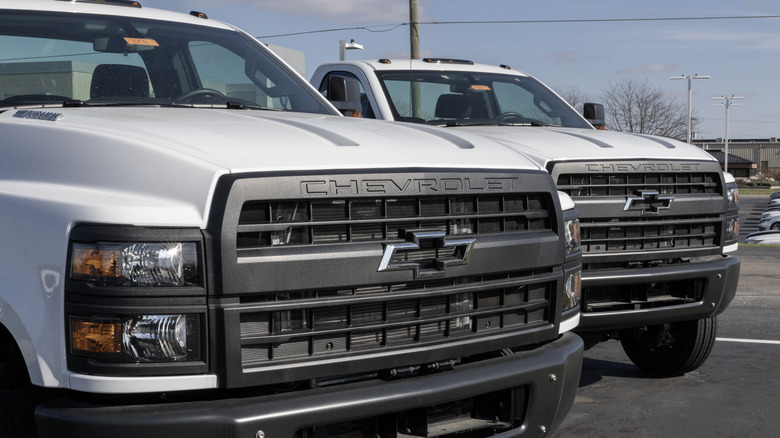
x,y
594,370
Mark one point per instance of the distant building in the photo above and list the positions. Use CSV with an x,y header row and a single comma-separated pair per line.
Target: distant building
x,y
746,156
295,58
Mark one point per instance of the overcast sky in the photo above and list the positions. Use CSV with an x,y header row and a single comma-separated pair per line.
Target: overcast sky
x,y
742,56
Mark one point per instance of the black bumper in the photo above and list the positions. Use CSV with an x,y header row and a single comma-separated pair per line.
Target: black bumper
x,y
720,277
548,377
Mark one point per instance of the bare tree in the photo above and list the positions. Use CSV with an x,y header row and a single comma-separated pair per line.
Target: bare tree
x,y
574,96
634,106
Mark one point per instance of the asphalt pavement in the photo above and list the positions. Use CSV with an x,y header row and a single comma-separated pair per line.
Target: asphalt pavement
x,y
735,393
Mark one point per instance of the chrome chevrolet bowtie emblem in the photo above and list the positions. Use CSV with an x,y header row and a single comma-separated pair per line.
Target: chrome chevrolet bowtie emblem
x,y
412,253
649,202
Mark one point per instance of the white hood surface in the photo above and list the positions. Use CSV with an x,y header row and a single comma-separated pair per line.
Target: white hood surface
x,y
567,144
176,155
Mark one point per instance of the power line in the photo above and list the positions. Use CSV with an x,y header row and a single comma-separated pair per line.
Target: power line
x,y
390,27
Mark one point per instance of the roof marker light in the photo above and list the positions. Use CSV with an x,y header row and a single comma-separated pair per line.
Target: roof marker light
x,y
447,61
130,3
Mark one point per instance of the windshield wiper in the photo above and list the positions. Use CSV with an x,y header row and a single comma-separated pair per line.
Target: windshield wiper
x,y
523,124
53,104
250,106
460,124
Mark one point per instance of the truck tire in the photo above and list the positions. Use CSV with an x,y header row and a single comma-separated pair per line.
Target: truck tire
x,y
17,419
670,349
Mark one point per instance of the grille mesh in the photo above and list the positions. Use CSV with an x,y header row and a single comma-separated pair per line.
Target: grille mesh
x,y
649,233
613,235
624,184
331,221
371,319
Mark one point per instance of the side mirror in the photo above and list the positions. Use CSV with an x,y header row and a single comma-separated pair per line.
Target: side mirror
x,y
594,113
344,94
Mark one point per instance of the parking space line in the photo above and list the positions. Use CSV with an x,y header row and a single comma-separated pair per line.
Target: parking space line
x,y
748,341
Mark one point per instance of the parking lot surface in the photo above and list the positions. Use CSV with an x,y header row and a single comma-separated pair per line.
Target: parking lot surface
x,y
736,392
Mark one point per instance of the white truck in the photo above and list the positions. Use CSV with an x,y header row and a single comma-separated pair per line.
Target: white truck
x,y
659,218
195,243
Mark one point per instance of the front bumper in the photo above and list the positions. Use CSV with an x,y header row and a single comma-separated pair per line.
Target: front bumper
x,y
719,278
544,380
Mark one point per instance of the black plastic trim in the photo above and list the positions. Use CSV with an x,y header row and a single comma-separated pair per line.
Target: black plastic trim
x,y
549,399
720,286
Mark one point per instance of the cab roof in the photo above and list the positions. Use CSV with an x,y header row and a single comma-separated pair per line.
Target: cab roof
x,y
122,8
437,64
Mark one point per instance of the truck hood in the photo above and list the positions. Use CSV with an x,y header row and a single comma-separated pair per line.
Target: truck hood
x,y
174,156
546,144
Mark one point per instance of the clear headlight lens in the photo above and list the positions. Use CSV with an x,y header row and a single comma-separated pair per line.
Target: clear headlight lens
x,y
140,338
732,228
135,263
571,230
732,196
572,289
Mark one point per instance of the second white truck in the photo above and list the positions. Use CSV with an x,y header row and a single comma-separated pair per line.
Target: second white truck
x,y
659,218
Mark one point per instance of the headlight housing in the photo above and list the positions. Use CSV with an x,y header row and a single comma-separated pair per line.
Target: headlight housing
x,y
571,232
160,264
136,301
139,338
732,228
572,290
732,196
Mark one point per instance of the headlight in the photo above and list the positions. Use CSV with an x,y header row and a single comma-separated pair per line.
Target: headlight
x,y
732,228
571,231
572,289
732,195
140,338
135,263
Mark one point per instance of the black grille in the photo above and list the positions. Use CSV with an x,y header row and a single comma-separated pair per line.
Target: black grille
x,y
303,222
649,233
629,184
298,326
323,276
618,213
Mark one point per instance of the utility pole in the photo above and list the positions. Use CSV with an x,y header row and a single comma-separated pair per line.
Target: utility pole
x,y
414,29
690,120
414,46
727,103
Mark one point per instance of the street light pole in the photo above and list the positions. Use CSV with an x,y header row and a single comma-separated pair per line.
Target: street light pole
x,y
727,103
344,46
689,77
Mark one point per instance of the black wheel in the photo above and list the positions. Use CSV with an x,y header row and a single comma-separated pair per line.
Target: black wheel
x,y
775,226
670,349
17,419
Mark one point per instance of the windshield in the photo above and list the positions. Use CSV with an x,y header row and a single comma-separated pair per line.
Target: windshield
x,y
467,98
98,59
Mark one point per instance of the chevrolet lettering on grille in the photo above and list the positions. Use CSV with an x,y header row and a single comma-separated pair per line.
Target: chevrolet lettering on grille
x,y
648,202
398,256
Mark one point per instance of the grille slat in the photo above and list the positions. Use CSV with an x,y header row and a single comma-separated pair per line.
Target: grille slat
x,y
289,222
587,185
643,234
389,319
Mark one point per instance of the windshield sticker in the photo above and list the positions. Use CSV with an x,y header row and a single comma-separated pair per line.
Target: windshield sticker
x,y
141,42
38,115
480,88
